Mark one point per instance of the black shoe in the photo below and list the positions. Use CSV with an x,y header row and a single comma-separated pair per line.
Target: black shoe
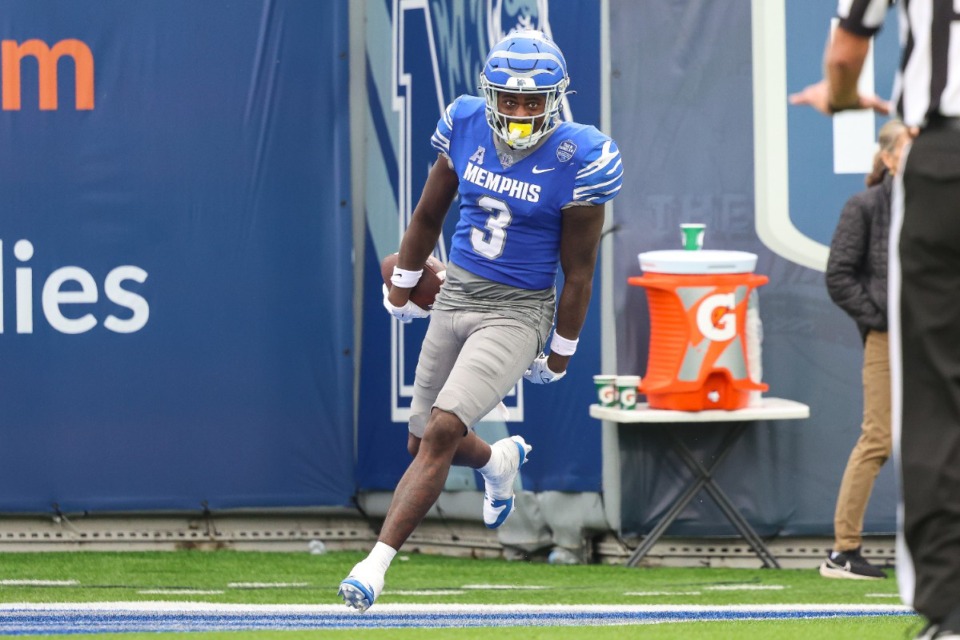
x,y
927,632
937,632
849,564
946,629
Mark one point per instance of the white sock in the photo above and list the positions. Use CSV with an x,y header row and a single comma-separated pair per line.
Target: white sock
x,y
496,473
381,556
495,464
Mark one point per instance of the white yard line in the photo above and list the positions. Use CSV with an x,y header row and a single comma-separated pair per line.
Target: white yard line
x,y
181,592
745,587
39,583
648,594
266,585
501,587
268,609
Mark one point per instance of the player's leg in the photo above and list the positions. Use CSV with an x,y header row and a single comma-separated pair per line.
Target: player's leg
x,y
438,355
473,451
473,379
436,440
423,481
492,360
439,352
450,383
497,463
416,492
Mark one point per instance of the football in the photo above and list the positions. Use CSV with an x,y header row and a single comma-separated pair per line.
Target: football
x,y
426,289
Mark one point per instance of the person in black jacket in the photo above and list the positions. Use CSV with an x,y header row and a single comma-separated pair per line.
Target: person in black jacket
x,y
857,283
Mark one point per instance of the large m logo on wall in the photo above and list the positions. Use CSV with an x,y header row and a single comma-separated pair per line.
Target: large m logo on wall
x,y
796,188
421,55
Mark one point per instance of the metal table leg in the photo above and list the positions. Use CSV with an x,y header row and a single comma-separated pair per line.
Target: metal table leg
x,y
721,498
703,479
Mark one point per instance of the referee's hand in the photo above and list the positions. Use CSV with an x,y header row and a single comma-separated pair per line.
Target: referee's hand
x,y
818,96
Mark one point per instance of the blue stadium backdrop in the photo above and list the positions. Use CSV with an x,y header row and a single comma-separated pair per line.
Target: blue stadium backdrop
x,y
176,244
175,247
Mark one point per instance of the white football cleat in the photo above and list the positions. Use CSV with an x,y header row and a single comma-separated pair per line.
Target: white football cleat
x,y
498,497
361,588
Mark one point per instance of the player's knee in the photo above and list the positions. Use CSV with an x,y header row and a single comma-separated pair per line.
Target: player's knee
x,y
444,431
413,445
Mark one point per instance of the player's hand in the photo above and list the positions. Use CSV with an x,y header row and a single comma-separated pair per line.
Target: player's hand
x,y
540,373
405,314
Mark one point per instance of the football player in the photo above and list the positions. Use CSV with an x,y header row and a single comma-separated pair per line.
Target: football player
x,y
531,192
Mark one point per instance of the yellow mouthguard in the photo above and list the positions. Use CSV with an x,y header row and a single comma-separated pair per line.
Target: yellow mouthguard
x,y
519,130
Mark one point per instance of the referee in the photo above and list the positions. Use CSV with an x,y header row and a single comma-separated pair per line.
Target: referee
x,y
924,279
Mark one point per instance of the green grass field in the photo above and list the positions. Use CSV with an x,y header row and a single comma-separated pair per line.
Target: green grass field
x,y
302,578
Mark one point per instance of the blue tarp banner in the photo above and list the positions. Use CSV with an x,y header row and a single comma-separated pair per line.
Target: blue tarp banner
x,y
175,247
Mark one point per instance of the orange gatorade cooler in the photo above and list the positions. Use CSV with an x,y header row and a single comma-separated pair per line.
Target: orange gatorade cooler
x,y
698,314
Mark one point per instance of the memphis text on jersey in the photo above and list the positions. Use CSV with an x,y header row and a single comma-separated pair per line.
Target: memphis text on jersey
x,y
500,184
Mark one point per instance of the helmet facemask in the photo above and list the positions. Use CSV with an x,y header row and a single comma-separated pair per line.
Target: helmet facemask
x,y
522,132
524,63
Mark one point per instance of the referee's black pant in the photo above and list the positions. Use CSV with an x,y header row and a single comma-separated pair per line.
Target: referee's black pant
x,y
929,253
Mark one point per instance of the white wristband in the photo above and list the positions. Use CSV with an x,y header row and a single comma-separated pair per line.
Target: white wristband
x,y
563,347
405,279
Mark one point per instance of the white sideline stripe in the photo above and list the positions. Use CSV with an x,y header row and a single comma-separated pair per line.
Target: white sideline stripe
x,y
745,587
266,609
428,592
266,585
39,583
662,593
504,587
882,595
181,592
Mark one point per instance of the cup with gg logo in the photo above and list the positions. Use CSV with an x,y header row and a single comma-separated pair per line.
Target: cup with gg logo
x,y
627,392
606,386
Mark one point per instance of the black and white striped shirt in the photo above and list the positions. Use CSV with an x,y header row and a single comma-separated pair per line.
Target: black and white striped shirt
x,y
928,81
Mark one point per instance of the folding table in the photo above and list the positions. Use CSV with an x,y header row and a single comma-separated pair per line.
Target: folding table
x,y
768,409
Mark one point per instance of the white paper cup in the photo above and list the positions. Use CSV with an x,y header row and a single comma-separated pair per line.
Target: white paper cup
x,y
606,386
627,392
691,235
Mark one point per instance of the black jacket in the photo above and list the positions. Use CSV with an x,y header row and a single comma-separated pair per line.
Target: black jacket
x,y
857,268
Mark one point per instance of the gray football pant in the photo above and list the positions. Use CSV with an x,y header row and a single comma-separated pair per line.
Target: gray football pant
x,y
470,360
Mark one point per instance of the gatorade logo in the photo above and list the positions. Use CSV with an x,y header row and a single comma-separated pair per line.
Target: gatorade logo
x,y
715,317
608,396
47,62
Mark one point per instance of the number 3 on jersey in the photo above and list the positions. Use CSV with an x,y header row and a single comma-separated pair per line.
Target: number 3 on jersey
x,y
489,243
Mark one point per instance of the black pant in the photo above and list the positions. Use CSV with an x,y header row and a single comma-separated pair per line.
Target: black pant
x,y
930,338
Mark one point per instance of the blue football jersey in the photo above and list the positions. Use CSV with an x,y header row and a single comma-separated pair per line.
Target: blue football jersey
x,y
509,226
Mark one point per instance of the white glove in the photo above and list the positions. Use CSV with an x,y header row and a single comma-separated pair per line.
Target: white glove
x,y
540,373
405,314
